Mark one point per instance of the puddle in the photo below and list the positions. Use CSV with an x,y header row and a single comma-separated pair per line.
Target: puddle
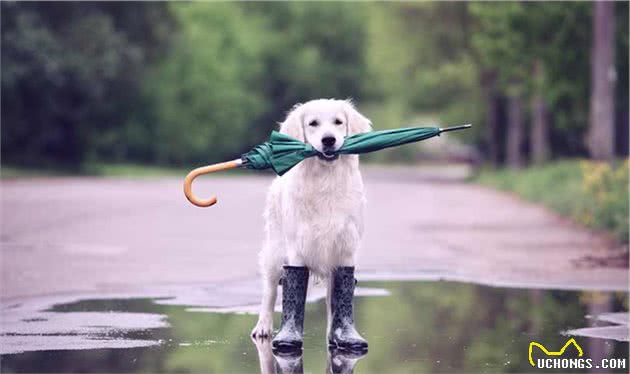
x,y
413,327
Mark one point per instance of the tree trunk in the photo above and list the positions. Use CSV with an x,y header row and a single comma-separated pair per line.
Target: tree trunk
x,y
539,137
601,140
489,86
514,132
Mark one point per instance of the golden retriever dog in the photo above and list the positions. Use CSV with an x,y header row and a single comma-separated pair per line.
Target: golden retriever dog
x,y
313,224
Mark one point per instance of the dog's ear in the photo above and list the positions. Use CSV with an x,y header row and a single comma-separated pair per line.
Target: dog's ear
x,y
357,122
292,125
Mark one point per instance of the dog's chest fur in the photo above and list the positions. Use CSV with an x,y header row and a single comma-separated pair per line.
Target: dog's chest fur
x,y
323,207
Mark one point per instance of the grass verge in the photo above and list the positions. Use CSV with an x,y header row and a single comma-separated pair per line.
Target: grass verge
x,y
594,194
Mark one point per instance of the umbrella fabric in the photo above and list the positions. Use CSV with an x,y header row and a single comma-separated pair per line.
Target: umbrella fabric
x,y
280,153
283,152
377,140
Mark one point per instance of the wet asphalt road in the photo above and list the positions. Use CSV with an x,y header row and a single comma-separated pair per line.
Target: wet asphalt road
x,y
70,235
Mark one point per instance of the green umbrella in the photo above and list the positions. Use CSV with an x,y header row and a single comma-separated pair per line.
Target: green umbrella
x,y
283,152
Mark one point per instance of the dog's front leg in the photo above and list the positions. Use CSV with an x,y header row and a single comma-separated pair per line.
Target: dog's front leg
x,y
264,327
265,356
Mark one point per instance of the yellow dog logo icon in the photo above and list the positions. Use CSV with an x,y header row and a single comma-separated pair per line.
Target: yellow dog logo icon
x,y
558,353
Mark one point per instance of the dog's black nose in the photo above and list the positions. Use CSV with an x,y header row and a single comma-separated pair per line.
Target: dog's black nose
x,y
328,141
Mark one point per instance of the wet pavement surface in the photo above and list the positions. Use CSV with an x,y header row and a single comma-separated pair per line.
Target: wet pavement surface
x,y
82,235
411,326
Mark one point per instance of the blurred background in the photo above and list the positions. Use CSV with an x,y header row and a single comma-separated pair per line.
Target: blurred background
x,y
131,88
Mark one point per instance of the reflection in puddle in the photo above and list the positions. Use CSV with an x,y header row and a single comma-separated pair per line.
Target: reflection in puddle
x,y
337,362
419,327
88,329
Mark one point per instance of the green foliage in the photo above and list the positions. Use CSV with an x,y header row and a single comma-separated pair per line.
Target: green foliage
x,y
509,38
235,69
186,83
204,93
69,76
594,194
421,71
501,38
313,50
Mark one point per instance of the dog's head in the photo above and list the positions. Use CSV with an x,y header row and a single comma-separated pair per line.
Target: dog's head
x,y
325,124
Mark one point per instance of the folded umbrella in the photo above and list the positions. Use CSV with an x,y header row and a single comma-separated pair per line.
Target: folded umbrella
x,y
283,152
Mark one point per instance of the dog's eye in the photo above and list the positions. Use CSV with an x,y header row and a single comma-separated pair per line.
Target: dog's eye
x,y
313,123
338,121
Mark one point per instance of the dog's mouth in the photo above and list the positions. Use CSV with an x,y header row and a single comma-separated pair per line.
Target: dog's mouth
x,y
329,157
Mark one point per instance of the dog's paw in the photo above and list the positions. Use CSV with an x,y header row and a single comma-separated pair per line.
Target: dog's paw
x,y
263,329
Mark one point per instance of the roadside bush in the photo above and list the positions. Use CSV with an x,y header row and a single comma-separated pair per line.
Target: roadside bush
x,y
607,187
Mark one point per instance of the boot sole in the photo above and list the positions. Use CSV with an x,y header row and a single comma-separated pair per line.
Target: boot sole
x,y
286,347
356,347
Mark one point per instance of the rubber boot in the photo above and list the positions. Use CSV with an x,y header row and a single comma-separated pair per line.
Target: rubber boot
x,y
294,284
343,334
343,362
289,363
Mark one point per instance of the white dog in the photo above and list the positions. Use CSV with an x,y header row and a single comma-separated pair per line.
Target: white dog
x,y
314,212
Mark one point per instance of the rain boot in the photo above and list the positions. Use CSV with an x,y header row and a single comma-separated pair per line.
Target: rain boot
x,y
294,284
342,334
343,362
289,362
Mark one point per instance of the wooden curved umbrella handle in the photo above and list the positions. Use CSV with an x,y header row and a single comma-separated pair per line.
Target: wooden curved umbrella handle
x,y
206,170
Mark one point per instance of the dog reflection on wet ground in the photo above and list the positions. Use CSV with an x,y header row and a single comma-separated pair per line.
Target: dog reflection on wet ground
x,y
291,362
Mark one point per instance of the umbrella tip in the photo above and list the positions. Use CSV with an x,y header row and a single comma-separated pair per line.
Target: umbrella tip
x,y
460,127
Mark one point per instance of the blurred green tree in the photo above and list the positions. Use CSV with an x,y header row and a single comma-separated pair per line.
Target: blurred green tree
x,y
421,70
205,93
186,82
235,69
70,76
313,50
541,51
603,77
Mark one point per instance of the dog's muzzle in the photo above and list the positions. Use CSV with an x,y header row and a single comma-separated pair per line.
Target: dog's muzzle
x,y
328,156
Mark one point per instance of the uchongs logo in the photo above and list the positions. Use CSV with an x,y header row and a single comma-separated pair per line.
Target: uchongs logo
x,y
554,361
554,353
